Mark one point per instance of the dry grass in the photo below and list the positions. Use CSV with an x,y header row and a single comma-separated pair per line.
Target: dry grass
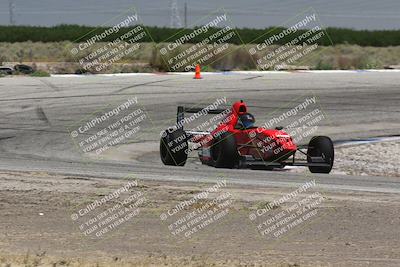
x,y
148,58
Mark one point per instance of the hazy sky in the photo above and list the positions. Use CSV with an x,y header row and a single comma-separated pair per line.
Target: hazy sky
x,y
358,14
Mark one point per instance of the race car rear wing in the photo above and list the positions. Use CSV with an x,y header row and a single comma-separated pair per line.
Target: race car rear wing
x,y
180,116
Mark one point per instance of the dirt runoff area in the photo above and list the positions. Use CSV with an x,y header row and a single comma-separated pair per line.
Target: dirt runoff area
x,y
61,220
380,159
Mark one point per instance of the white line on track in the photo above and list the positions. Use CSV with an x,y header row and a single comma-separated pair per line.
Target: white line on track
x,y
227,73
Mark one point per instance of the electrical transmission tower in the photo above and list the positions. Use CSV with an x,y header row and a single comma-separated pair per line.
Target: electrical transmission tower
x,y
12,11
175,21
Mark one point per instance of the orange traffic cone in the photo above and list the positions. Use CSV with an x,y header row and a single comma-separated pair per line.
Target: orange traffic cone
x,y
197,75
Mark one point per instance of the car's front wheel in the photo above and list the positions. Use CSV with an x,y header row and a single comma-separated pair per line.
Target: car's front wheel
x,y
224,151
320,147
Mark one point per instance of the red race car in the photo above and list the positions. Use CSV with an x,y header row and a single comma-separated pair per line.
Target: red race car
x,y
237,143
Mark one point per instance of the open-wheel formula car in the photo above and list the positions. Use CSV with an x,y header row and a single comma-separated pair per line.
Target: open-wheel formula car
x,y
237,143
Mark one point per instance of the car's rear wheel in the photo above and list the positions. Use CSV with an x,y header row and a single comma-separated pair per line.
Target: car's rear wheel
x,y
320,147
224,151
174,147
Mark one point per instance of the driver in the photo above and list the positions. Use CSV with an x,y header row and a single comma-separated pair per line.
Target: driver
x,y
246,121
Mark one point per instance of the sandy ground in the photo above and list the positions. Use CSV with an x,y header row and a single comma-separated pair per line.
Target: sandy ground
x,y
369,159
37,229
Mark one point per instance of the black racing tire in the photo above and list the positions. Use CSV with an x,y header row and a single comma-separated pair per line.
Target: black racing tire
x,y
174,147
321,146
224,151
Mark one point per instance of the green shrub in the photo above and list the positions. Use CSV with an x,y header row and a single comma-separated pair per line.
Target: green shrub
x,y
74,33
323,65
40,73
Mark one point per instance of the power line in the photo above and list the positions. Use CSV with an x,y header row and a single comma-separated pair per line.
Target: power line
x,y
175,20
12,11
186,24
